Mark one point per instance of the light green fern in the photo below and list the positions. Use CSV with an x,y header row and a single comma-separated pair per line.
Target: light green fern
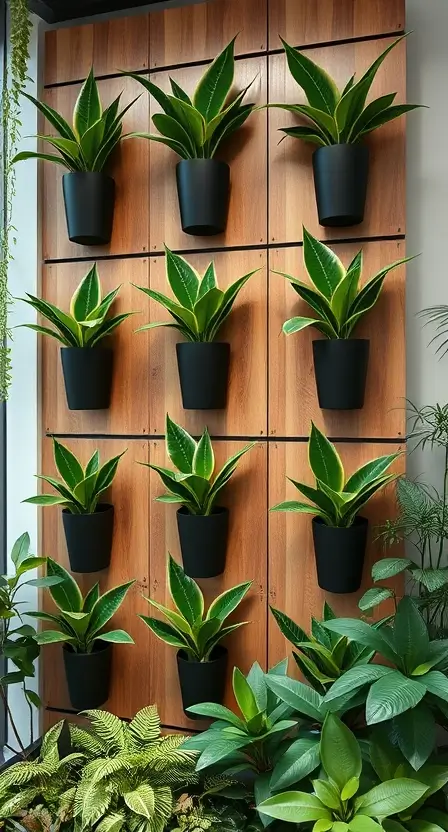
x,y
131,771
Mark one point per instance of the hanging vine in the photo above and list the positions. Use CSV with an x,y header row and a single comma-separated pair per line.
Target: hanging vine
x,y
14,79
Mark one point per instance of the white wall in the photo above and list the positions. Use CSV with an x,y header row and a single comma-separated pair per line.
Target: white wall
x,y
427,210
22,418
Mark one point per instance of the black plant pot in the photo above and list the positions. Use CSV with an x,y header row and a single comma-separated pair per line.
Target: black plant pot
x,y
340,368
340,555
203,542
89,538
87,377
203,187
202,681
89,207
203,374
88,675
340,181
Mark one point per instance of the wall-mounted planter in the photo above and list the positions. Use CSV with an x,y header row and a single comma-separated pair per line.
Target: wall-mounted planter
x,y
203,542
340,554
203,374
340,181
89,538
89,207
88,676
87,377
202,681
340,367
203,187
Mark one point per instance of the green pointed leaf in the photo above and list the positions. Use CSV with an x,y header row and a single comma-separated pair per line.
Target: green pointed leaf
x,y
388,115
373,597
106,606
319,88
301,697
87,296
228,601
91,598
93,464
206,308
389,798
415,731
288,627
339,752
307,134
117,637
185,593
66,595
67,465
294,807
297,762
204,458
20,549
322,264
87,108
181,447
106,474
52,116
215,84
392,695
389,567
362,633
173,129
191,119
52,637
183,279
436,683
410,634
165,632
178,92
324,460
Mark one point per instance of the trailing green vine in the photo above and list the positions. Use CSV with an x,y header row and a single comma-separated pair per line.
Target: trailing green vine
x,y
14,79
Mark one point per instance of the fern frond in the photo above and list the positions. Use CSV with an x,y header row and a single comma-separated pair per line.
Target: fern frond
x,y
50,740
110,766
109,728
92,801
145,727
87,742
24,772
112,822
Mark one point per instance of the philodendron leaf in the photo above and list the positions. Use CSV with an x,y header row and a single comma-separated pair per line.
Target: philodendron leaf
x,y
339,752
415,732
297,762
389,567
21,549
294,807
390,798
410,634
374,596
301,697
392,695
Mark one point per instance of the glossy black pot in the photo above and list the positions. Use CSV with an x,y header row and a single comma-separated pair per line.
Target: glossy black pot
x,y
89,207
89,538
340,367
340,181
88,675
203,374
202,681
340,555
87,377
203,542
203,188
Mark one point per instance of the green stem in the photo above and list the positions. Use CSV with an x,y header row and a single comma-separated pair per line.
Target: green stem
x,y
11,720
445,487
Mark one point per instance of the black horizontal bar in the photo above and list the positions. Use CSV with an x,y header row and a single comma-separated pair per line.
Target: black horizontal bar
x,y
243,56
390,440
215,250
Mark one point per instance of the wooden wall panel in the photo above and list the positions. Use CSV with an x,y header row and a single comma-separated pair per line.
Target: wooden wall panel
x,y
130,559
292,388
130,169
291,189
128,413
200,31
246,497
245,329
109,46
246,153
292,572
303,22
271,396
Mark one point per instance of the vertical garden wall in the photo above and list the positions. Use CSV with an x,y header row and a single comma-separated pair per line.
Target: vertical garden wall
x,y
272,396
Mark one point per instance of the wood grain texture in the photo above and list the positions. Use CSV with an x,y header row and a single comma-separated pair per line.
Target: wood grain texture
x,y
302,22
245,329
292,572
292,200
50,718
246,497
246,152
108,46
130,559
201,31
292,389
128,413
129,166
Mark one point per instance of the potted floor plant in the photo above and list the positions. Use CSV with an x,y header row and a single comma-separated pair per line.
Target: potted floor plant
x,y
201,658
337,122
203,526
79,627
340,361
198,312
88,523
84,148
339,531
195,128
18,645
87,366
